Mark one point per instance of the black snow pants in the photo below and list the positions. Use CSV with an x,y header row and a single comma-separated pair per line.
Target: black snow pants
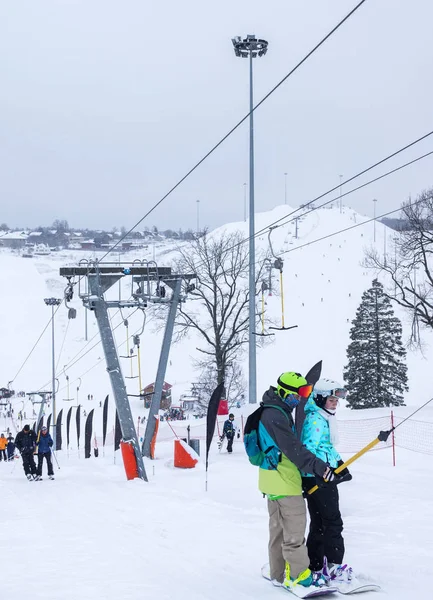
x,y
326,525
29,465
47,456
230,443
3,455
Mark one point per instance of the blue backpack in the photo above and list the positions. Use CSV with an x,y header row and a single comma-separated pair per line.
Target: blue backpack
x,y
269,456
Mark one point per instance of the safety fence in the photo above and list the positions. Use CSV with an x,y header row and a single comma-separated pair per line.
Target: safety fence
x,y
354,434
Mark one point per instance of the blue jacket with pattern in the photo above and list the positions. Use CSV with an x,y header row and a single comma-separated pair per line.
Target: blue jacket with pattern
x,y
316,435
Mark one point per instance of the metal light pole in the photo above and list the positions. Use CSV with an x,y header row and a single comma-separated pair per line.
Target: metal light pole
x,y
374,219
285,188
245,202
198,216
251,47
341,203
53,302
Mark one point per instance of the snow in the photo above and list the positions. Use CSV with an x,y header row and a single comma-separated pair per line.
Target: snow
x,y
91,534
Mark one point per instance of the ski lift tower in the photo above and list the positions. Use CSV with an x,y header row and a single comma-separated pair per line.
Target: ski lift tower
x,y
94,280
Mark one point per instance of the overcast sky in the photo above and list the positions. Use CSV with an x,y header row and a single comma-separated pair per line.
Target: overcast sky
x,y
105,104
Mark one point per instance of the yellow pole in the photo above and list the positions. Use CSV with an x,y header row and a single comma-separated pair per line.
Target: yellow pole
x,y
282,299
350,461
127,348
139,369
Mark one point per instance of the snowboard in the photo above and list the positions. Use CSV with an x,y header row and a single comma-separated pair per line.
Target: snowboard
x,y
357,586
299,590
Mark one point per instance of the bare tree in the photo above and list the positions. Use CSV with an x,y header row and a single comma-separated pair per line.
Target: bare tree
x,y
411,268
218,308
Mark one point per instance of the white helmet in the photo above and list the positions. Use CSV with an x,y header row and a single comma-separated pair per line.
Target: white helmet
x,y
327,387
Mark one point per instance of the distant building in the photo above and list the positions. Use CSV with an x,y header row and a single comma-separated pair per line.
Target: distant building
x,y
165,397
13,239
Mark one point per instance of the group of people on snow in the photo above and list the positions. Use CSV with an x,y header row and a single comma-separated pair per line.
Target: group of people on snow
x,y
30,445
306,458
300,455
7,447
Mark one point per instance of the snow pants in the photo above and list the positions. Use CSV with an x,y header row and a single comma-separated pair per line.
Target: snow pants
x,y
326,525
230,443
47,456
29,465
287,522
3,455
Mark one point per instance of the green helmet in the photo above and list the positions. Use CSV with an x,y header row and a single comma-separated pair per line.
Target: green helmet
x,y
290,383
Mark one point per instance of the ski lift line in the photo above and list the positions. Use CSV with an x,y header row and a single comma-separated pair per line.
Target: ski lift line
x,y
61,347
73,362
325,237
274,226
37,342
359,187
227,135
99,362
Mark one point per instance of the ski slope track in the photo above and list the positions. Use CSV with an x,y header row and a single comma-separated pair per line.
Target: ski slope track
x,y
92,535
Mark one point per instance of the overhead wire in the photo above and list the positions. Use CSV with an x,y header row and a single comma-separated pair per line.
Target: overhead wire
x,y
227,135
36,343
325,237
117,347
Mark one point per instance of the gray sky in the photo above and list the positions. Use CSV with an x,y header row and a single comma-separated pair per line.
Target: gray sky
x,y
105,104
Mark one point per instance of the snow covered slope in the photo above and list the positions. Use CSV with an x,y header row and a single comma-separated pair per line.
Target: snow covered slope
x,y
91,535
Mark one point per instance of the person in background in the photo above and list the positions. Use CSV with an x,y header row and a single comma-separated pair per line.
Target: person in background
x,y
45,443
10,447
3,444
325,542
26,444
229,432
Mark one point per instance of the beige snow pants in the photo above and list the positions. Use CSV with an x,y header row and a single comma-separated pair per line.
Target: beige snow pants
x,y
287,522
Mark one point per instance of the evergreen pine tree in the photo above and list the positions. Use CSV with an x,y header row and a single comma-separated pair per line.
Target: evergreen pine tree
x,y
376,373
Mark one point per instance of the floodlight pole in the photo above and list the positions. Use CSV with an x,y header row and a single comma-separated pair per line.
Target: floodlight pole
x,y
251,47
53,302
374,219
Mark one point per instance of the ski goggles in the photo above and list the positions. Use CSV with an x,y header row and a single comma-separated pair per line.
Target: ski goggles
x,y
339,393
304,391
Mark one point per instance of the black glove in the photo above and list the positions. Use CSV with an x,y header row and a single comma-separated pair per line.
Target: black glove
x,y
239,434
331,477
384,435
343,475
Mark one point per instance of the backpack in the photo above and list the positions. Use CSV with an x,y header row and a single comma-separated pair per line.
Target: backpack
x,y
269,456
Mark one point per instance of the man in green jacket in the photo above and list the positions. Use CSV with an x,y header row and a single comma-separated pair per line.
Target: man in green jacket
x,y
288,557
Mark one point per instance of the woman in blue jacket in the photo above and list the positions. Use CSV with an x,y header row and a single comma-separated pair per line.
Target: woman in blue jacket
x,y
325,542
45,443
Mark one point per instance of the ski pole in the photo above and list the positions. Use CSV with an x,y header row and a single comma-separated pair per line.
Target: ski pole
x,y
382,437
55,458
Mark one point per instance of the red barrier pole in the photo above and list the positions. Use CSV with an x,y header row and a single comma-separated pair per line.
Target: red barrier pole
x,y
172,429
218,425
393,439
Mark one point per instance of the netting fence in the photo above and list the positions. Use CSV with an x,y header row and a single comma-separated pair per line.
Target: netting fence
x,y
354,434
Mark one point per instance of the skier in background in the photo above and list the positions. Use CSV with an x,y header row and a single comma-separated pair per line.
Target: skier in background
x,y
45,443
26,443
325,542
10,447
3,445
229,432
